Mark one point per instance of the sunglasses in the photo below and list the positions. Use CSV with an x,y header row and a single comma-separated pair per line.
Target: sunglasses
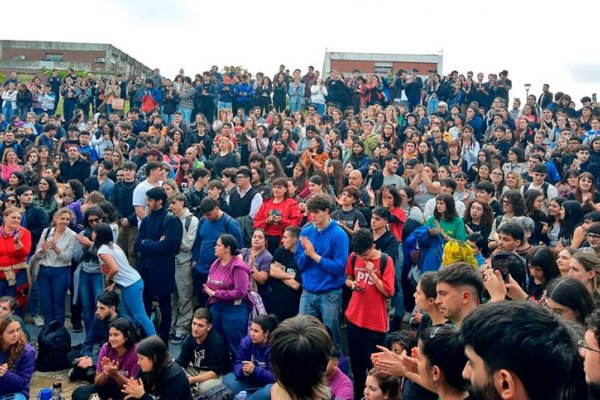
x,y
94,220
11,201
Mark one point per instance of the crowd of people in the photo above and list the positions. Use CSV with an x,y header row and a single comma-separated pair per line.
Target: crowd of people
x,y
209,212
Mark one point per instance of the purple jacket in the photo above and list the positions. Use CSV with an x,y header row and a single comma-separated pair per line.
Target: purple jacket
x,y
231,282
17,379
261,357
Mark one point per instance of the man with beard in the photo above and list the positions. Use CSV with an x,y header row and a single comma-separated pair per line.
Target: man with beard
x,y
589,349
459,288
517,350
84,362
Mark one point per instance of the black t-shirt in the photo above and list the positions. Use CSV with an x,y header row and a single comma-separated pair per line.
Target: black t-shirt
x,y
349,218
284,301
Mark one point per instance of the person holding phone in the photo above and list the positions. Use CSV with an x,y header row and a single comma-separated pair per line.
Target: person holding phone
x,y
14,249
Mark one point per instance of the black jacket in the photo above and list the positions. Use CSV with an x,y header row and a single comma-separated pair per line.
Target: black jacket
x,y
210,355
122,198
171,384
80,170
35,220
388,244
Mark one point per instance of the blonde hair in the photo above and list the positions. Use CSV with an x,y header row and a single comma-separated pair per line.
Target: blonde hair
x,y
12,209
60,212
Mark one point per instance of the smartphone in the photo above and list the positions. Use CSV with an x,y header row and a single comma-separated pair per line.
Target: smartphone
x,y
276,213
594,98
500,262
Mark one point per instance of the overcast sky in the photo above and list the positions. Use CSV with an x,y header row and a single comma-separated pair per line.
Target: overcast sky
x,y
536,42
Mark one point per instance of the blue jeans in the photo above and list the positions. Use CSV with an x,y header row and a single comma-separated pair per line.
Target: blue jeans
x,y
398,298
186,114
54,283
236,386
13,396
90,287
132,306
325,306
232,323
295,104
320,108
224,104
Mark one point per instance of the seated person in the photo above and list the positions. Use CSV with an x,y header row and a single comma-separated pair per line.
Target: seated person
x,y
117,362
17,360
204,355
340,385
8,305
84,361
252,369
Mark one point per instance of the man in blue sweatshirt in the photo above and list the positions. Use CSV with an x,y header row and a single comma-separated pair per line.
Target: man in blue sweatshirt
x,y
321,257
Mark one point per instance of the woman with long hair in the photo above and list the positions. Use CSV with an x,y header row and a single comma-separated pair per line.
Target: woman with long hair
x,y
47,196
567,187
159,376
571,214
300,179
445,220
552,228
586,193
543,269
17,360
409,205
10,163
88,279
286,158
425,154
479,217
469,146
455,160
277,213
55,250
512,206
335,174
534,201
585,267
568,299
516,161
497,178
32,168
359,157
15,246
513,181
117,363
273,169
252,370
227,287
484,157
120,274
381,386
15,179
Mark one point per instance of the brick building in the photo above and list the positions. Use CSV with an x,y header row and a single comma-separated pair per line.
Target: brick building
x,y
380,63
30,57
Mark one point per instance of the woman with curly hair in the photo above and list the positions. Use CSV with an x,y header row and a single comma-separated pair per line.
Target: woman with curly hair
x,y
479,218
47,196
17,360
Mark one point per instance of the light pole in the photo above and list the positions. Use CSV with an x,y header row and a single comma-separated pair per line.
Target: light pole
x,y
527,87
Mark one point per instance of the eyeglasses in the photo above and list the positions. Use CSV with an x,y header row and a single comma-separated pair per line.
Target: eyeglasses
x,y
241,177
11,201
593,236
94,220
583,346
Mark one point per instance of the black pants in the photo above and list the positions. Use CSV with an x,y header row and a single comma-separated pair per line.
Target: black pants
x,y
273,243
164,303
361,344
105,392
76,309
199,281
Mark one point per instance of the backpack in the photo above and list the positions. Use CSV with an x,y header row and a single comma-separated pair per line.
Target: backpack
x,y
382,262
219,392
54,343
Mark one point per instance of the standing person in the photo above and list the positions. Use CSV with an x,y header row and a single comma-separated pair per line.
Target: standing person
x,y
277,213
227,287
204,355
370,276
213,223
158,241
15,246
56,254
184,281
17,360
122,198
159,376
154,174
320,256
123,276
285,278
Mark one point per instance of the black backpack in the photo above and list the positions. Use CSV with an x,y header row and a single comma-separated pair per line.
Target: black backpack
x,y
54,343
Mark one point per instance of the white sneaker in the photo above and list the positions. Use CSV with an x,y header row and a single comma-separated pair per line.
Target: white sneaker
x,y
38,321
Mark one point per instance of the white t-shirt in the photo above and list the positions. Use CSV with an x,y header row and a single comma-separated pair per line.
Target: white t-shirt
x,y
127,275
139,195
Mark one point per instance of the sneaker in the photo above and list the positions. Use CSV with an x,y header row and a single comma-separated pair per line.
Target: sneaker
x,y
177,339
77,328
38,321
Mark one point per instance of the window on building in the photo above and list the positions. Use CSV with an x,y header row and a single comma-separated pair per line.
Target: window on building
x,y
100,60
19,58
383,67
54,57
